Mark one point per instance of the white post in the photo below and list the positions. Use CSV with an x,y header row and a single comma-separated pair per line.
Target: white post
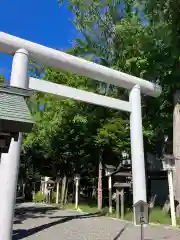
x,y
110,193
57,191
137,149
77,192
171,197
9,164
117,202
122,203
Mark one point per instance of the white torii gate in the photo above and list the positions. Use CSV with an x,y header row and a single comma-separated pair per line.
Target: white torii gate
x,y
23,51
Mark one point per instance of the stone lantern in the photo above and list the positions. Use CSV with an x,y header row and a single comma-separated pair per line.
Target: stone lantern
x,y
50,187
109,169
122,182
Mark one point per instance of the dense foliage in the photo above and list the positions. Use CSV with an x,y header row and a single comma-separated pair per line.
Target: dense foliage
x,y
129,36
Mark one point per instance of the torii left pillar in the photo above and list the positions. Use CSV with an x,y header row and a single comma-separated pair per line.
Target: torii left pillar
x,y
9,164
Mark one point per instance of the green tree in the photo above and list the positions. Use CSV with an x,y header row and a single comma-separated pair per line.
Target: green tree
x,y
1,79
71,135
141,38
166,13
136,43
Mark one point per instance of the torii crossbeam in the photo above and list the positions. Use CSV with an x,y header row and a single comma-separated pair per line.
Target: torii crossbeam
x,y
23,51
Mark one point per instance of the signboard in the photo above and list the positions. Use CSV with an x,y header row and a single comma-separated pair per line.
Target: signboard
x,y
141,212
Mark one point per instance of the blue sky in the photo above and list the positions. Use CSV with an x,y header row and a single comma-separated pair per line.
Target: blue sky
x,y
41,21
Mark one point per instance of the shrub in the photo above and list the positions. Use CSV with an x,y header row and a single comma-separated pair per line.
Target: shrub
x,y
53,197
39,197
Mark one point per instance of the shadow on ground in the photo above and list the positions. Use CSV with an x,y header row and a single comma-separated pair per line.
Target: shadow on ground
x,y
23,233
24,213
120,233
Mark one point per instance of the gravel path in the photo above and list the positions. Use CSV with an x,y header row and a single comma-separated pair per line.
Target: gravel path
x,y
38,221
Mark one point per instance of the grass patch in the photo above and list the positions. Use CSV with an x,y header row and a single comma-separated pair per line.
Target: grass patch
x,y
156,214
82,207
159,216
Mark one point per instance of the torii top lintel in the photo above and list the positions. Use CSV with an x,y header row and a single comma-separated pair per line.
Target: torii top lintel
x,y
53,58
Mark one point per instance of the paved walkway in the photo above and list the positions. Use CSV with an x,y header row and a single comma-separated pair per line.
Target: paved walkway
x,y
37,221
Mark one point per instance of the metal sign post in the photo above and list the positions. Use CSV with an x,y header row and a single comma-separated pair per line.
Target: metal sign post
x,y
142,221
141,214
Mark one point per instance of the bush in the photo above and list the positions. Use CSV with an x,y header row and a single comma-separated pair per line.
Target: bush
x,y
53,197
39,197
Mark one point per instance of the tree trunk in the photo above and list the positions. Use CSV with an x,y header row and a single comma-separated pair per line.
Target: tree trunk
x,y
100,186
94,188
63,189
176,149
110,193
77,194
66,191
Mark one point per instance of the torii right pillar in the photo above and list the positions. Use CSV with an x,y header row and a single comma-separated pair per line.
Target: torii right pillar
x,y
137,148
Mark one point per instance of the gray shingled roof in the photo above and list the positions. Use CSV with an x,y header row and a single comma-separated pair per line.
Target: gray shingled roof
x,y
14,113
